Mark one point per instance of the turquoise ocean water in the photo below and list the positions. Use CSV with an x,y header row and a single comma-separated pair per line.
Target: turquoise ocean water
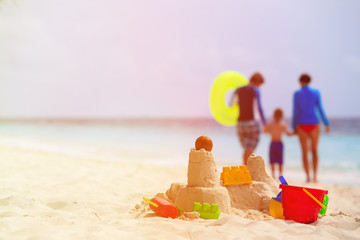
x,y
168,141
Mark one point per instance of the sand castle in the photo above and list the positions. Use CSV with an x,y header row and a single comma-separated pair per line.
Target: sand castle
x,y
258,194
204,185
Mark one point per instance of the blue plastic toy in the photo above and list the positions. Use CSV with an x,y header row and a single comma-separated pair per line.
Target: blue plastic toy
x,y
284,182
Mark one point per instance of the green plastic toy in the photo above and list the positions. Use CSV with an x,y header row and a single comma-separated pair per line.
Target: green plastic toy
x,y
325,202
206,210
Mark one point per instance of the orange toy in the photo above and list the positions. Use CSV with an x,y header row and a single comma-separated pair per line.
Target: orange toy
x,y
235,175
204,142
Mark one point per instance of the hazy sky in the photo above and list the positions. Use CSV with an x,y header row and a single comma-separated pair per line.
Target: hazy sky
x,y
156,58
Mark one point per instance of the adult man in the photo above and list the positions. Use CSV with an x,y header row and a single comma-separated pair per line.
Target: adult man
x,y
248,129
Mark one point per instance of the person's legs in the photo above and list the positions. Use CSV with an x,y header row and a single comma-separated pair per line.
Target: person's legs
x,y
252,139
280,169
272,165
274,157
242,138
247,153
314,135
281,158
303,136
248,133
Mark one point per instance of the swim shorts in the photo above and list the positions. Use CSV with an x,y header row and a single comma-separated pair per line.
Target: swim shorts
x,y
276,152
248,133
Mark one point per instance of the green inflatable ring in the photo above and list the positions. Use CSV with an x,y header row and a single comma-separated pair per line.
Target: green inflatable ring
x,y
221,111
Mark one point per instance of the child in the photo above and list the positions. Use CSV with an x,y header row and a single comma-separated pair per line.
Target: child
x,y
276,128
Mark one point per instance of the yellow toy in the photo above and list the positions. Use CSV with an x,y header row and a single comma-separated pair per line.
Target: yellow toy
x,y
220,109
235,175
276,209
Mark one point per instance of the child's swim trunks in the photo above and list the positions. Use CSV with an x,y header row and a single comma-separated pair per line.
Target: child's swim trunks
x,y
276,152
248,133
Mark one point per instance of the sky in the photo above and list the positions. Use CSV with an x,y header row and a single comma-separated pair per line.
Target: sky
x,y
116,58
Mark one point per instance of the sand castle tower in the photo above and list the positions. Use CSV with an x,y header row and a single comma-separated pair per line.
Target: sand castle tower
x,y
258,194
203,180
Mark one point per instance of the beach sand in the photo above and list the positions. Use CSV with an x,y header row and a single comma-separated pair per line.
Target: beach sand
x,y
46,195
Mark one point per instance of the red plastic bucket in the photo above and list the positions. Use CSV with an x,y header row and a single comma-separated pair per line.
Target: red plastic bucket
x,y
298,206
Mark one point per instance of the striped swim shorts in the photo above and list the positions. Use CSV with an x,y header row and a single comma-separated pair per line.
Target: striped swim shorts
x,y
248,133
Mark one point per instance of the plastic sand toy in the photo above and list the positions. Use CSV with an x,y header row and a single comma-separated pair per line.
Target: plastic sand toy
x,y
314,198
206,210
163,207
275,209
298,203
325,203
204,142
301,204
282,180
235,175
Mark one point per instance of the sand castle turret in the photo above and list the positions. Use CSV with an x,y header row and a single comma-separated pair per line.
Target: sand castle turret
x,y
256,195
202,170
203,180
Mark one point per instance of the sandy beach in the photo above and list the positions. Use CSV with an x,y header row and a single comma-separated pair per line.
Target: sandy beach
x,y
102,103
46,195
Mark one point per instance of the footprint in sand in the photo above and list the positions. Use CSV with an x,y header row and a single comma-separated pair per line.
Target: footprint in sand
x,y
57,205
5,201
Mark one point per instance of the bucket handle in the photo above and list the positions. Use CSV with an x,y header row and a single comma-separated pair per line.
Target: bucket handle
x,y
314,198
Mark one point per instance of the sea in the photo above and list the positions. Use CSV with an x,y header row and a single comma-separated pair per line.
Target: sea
x,y
168,141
